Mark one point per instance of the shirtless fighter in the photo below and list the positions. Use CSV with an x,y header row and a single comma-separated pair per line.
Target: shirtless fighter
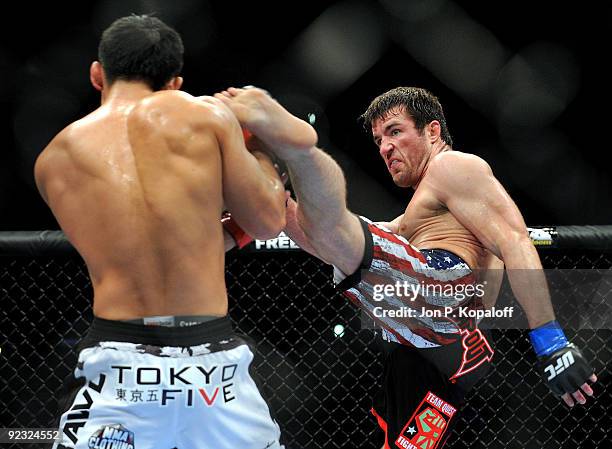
x,y
139,186
459,221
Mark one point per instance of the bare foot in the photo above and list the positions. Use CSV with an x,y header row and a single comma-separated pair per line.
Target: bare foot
x,y
277,128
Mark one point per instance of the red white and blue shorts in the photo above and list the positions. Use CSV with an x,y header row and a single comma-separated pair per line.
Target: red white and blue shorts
x,y
430,363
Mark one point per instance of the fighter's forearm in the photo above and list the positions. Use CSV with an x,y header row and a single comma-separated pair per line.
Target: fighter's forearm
x,y
528,281
547,337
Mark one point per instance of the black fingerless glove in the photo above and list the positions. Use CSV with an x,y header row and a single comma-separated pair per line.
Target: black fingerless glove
x,y
561,363
565,370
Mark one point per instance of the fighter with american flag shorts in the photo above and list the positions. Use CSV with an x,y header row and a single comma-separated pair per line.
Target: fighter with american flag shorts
x,y
430,363
459,223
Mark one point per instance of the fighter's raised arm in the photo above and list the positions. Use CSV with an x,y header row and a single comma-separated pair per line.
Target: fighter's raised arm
x,y
252,189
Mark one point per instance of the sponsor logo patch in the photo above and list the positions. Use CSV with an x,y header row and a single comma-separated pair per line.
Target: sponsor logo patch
x,y
543,236
113,436
562,363
426,427
193,385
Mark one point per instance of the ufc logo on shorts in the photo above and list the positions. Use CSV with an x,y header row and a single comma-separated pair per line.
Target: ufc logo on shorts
x,y
563,362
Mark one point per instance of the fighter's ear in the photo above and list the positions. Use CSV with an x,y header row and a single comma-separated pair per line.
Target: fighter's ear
x,y
96,75
433,130
174,84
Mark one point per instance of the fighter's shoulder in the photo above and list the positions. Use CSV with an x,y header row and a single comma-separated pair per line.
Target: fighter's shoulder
x,y
176,104
55,155
74,134
62,141
456,165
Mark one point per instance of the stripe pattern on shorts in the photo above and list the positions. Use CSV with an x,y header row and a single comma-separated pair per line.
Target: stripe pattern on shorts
x,y
427,275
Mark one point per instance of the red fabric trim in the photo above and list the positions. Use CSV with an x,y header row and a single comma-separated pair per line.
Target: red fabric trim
x,y
382,424
241,238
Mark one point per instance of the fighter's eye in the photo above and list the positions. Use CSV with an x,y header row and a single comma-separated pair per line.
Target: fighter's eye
x,y
395,132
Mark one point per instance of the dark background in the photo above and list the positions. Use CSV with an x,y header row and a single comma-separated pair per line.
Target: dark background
x,y
522,84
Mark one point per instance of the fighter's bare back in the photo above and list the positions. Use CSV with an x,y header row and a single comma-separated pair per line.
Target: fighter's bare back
x,y
137,188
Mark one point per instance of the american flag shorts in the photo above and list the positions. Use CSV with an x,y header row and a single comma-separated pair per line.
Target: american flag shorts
x,y
413,296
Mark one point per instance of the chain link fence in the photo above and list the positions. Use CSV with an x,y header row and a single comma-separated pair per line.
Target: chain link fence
x,y
319,369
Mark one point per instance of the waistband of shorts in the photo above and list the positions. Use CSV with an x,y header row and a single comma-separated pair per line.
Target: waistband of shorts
x,y
109,330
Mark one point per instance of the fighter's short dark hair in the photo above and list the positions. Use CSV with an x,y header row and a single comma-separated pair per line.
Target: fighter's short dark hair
x,y
141,48
420,104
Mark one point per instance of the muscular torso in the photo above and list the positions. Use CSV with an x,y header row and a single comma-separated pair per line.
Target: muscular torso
x,y
137,189
428,224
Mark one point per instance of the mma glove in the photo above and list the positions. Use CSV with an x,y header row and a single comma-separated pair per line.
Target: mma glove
x,y
561,363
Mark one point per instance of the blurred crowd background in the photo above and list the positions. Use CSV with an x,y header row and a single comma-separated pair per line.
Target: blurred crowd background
x,y
523,85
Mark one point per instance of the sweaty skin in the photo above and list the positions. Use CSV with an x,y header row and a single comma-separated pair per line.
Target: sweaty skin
x,y
428,224
139,186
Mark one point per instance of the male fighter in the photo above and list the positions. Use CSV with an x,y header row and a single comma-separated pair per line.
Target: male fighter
x,y
459,221
139,186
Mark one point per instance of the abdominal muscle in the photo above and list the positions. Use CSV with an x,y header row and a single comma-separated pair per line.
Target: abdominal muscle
x,y
444,232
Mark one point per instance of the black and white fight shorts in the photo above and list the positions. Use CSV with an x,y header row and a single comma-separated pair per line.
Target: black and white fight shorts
x,y
142,387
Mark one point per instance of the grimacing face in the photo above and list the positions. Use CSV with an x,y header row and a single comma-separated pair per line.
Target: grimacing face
x,y
401,145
